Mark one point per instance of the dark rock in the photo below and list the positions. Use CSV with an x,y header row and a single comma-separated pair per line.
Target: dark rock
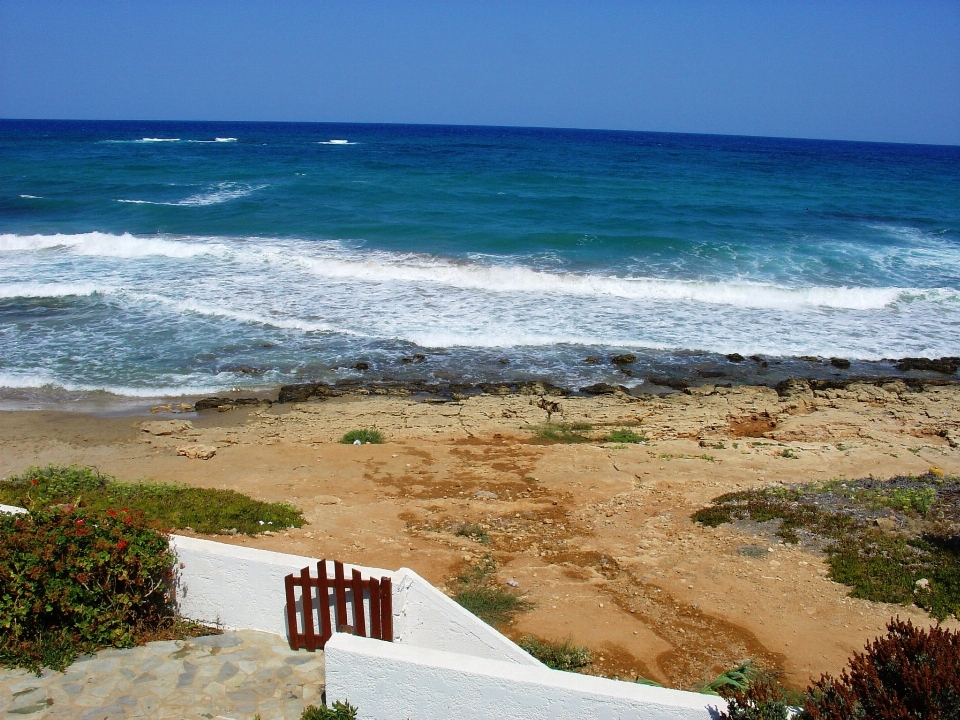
x,y
419,357
735,357
711,373
673,383
603,389
792,388
810,358
362,366
304,391
841,363
244,369
504,361
945,365
625,359
592,361
215,403
406,360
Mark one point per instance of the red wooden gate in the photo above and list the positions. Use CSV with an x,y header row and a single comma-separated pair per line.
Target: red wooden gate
x,y
332,597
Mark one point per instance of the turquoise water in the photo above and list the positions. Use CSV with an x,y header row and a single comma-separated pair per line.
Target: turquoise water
x,y
166,258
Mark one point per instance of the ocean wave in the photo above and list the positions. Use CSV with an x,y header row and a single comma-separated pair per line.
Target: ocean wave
x,y
335,142
31,197
193,306
190,385
220,193
106,245
52,290
157,140
501,278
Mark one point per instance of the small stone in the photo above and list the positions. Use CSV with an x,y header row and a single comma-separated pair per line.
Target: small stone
x,y
485,495
922,584
513,583
165,427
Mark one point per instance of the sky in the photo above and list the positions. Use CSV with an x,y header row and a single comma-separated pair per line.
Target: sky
x,y
878,71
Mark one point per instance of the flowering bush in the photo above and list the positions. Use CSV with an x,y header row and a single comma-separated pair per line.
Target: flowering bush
x,y
72,582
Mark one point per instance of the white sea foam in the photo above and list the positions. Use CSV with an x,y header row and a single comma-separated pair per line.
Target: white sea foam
x,y
335,142
225,139
106,245
220,193
514,279
31,197
191,385
51,290
157,140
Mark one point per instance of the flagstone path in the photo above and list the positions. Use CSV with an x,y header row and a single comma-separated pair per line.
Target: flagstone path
x,y
237,675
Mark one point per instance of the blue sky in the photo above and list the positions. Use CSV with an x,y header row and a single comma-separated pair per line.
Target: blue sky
x,y
887,71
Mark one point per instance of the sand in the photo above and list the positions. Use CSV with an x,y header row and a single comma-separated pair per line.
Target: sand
x,y
598,536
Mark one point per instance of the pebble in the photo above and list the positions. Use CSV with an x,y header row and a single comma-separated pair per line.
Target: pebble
x,y
234,675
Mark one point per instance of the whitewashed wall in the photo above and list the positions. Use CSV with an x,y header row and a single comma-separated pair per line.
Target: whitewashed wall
x,y
242,588
12,509
388,681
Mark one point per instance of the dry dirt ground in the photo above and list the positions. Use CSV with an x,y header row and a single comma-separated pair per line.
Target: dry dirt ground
x,y
597,535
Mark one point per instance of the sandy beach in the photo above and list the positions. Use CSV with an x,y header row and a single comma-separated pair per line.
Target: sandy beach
x,y
597,535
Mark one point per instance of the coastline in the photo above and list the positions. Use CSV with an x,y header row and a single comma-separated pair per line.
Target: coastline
x,y
597,534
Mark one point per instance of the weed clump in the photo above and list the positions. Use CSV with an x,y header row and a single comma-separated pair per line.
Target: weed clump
x,y
562,432
563,655
919,563
338,711
366,436
624,436
473,531
203,510
476,591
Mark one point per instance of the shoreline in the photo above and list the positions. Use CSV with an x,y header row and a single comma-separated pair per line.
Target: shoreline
x,y
820,373
598,535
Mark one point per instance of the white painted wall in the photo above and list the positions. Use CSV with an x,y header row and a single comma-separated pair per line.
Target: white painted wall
x,y
242,587
389,681
12,509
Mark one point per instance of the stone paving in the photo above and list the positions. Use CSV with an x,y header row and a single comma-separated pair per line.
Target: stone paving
x,y
235,676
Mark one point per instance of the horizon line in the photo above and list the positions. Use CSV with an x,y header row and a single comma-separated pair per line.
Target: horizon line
x,y
487,127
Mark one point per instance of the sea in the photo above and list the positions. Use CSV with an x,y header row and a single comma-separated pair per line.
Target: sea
x,y
152,259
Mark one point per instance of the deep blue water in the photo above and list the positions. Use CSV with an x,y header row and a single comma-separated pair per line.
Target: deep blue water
x,y
149,258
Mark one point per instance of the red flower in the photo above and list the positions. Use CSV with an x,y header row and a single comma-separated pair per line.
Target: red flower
x,y
34,481
78,523
121,545
111,513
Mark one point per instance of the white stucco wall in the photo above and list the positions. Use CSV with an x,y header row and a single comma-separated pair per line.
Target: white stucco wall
x,y
12,509
388,681
242,587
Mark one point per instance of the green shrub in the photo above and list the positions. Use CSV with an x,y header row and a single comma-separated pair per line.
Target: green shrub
x,y
758,700
563,655
73,582
365,436
739,678
562,432
204,510
339,711
624,436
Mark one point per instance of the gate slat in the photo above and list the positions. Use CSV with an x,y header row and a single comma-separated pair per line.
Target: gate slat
x,y
375,631
323,600
295,637
309,636
340,590
386,608
359,626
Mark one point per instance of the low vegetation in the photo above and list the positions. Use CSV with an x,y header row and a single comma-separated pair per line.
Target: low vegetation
x,y
169,506
74,581
624,436
338,711
475,589
473,531
366,436
562,432
894,540
909,673
562,655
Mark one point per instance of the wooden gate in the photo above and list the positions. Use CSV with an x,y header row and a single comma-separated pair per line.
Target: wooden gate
x,y
370,598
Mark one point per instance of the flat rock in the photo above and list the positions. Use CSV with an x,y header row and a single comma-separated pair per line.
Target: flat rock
x,y
165,427
197,452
